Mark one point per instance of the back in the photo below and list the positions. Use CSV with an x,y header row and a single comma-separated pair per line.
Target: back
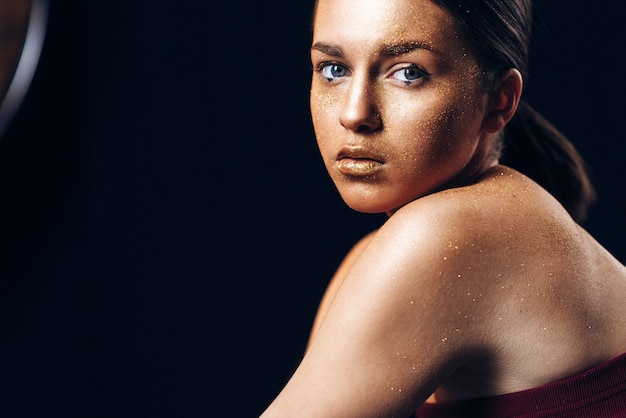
x,y
554,298
471,292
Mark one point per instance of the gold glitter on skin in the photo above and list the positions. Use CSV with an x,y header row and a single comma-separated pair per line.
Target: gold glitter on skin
x,y
418,128
479,283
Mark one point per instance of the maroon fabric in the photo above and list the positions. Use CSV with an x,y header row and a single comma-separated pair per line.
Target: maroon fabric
x,y
598,392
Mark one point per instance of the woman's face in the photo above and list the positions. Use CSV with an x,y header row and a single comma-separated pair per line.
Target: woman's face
x,y
396,101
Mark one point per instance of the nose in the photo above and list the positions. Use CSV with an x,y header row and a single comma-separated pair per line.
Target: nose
x,y
360,112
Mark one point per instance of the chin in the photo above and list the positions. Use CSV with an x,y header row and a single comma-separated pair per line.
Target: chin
x,y
367,209
369,204
380,203
377,198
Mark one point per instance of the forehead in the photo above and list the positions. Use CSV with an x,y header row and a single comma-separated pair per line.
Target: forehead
x,y
371,21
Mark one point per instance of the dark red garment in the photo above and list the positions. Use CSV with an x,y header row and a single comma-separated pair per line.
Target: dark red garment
x,y
597,392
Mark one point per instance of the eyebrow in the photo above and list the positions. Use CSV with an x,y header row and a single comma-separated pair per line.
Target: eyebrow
x,y
392,50
328,49
404,48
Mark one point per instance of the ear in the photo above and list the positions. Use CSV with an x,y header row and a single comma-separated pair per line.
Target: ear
x,y
503,101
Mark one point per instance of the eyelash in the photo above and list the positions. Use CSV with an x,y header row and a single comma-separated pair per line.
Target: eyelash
x,y
323,66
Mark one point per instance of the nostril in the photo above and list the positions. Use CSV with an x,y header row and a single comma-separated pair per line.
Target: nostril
x,y
371,126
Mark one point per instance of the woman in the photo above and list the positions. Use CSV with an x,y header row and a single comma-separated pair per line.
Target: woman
x,y
480,285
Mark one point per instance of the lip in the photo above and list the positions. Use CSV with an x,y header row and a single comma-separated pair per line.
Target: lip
x,y
358,162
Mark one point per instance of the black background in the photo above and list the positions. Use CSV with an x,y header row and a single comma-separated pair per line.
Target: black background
x,y
166,225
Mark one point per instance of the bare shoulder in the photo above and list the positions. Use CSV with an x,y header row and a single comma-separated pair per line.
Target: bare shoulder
x,y
493,276
504,238
505,211
503,254
497,219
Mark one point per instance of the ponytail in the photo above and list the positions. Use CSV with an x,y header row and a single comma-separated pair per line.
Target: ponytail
x,y
533,146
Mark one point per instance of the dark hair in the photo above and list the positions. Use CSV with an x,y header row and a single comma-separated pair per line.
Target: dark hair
x,y
500,32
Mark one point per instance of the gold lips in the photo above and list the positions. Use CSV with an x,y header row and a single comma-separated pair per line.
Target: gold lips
x,y
358,166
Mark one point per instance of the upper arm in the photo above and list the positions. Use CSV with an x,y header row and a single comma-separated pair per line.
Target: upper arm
x,y
397,326
336,281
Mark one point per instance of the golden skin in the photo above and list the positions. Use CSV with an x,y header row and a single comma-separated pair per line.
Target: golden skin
x,y
479,283
427,133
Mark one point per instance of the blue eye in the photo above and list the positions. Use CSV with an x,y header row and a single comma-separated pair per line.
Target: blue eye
x,y
410,74
331,71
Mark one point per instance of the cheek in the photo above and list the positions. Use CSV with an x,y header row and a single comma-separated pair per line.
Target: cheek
x,y
435,134
322,100
324,108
